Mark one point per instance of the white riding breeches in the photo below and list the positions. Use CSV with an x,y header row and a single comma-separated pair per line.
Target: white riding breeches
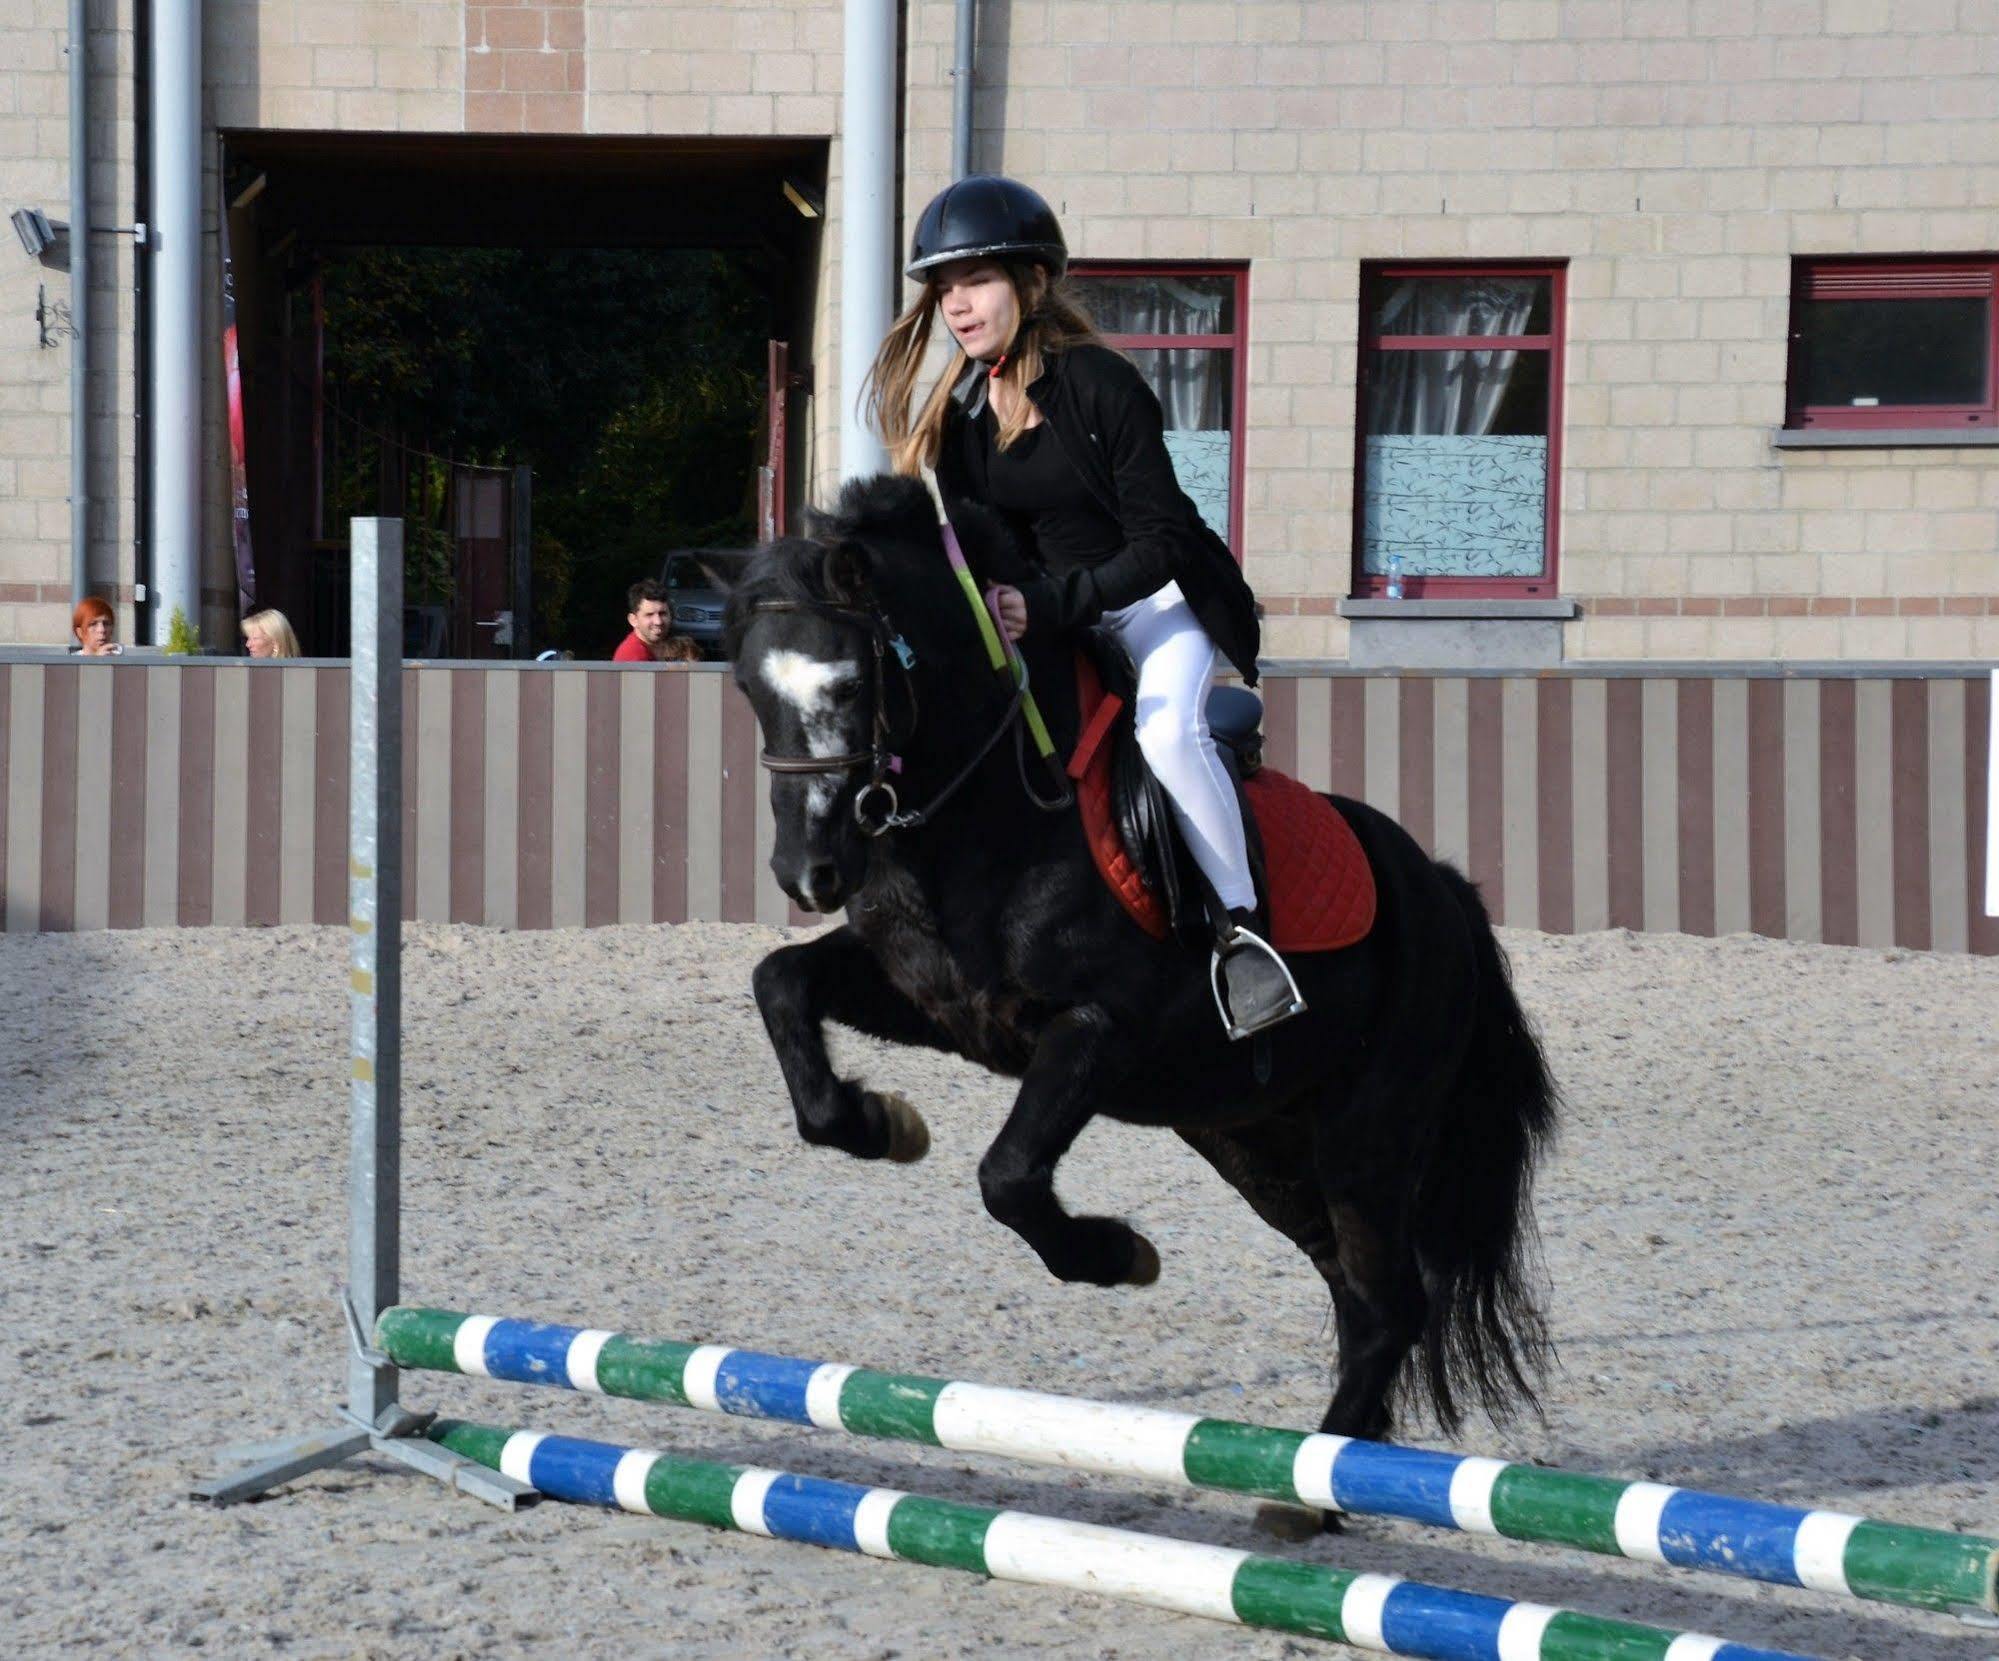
x,y
1176,667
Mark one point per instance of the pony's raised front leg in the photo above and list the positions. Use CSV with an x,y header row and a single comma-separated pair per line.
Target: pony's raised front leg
x,y
798,988
1058,1097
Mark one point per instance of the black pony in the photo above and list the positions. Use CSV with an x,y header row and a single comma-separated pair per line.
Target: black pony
x,y
1395,1138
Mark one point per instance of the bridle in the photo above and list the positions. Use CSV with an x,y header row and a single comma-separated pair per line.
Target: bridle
x,y
877,810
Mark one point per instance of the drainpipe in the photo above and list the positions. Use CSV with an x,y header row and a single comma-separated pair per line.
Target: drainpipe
x,y
961,88
175,104
79,303
142,327
867,219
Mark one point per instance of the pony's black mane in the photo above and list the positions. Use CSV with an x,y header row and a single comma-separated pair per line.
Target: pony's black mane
x,y
869,512
881,505
791,568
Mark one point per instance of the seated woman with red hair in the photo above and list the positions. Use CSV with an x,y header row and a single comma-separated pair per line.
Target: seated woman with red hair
x,y
95,628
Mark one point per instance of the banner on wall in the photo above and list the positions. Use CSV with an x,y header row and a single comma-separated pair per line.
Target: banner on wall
x,y
239,476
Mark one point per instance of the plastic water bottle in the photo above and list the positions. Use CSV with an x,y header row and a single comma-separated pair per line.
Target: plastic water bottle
x,y
1395,576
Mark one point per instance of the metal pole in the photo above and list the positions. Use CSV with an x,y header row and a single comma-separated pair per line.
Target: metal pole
x,y
520,563
145,623
79,302
375,919
374,1180
961,88
867,219
177,422
1992,801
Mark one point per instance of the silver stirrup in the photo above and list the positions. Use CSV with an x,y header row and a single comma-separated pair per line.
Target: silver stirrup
x,y
1247,940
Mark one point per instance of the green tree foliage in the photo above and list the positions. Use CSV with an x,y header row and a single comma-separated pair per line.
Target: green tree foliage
x,y
629,380
183,638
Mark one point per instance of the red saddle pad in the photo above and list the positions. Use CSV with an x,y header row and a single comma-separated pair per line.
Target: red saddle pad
x,y
1321,888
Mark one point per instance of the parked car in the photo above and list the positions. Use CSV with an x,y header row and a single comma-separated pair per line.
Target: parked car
x,y
697,602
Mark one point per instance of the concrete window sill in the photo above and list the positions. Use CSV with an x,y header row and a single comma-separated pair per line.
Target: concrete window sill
x,y
1431,611
1883,438
1456,634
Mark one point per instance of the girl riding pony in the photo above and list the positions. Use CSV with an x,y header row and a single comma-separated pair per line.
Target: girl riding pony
x,y
1037,419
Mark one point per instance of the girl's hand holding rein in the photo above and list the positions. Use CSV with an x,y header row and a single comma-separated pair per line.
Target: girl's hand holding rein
x,y
1011,606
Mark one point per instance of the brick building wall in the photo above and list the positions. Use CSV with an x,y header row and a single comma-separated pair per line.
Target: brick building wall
x,y
1677,153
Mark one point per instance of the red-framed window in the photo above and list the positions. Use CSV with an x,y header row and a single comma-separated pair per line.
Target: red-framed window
x,y
1458,438
1883,343
1186,326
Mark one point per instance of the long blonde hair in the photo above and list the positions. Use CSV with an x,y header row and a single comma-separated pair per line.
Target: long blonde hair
x,y
275,628
1052,319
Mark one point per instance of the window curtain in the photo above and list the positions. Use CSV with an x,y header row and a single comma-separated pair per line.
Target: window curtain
x,y
1192,383
1448,392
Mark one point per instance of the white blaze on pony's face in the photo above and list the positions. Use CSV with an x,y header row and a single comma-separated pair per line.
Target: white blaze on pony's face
x,y
805,666
820,695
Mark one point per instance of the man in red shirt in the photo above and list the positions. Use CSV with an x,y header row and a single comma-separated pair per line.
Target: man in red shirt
x,y
652,639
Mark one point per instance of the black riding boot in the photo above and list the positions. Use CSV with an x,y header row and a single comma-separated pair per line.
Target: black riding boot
x,y
1253,987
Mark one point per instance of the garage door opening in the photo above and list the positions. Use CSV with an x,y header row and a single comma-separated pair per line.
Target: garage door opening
x,y
557,361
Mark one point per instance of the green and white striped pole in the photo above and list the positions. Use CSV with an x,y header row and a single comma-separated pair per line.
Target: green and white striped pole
x,y
1828,1551
1368,1611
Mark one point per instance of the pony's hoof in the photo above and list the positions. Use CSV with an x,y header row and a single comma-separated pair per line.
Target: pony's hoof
x,y
1144,1268
908,1135
1293,1523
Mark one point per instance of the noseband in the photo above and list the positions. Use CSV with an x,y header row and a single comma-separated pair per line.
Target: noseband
x,y
876,809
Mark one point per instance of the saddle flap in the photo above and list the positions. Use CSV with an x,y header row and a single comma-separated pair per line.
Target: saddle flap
x,y
1318,884
1149,846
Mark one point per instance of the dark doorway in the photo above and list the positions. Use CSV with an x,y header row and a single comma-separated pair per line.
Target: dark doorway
x,y
553,359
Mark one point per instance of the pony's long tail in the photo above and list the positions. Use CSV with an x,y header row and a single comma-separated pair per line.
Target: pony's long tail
x,y
1472,1217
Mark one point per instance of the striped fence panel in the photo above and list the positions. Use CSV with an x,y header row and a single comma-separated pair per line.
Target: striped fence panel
x,y
154,795
1846,808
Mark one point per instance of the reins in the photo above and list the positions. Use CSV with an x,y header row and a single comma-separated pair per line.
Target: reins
x,y
1001,653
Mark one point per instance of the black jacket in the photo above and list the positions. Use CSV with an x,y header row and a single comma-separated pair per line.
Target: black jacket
x,y
1108,423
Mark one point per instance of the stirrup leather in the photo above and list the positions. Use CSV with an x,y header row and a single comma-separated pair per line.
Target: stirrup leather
x,y
1281,1005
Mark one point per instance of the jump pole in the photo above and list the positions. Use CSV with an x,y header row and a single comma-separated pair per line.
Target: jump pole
x,y
1367,1611
1824,1550
373,1420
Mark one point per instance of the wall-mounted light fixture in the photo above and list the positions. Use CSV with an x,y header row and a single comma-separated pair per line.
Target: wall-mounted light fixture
x,y
808,205
36,230
47,239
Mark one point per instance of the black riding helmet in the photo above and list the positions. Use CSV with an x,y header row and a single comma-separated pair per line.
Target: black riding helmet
x,y
987,213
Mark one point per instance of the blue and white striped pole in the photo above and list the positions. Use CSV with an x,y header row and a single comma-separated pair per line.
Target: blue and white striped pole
x,y
1827,1551
1368,1611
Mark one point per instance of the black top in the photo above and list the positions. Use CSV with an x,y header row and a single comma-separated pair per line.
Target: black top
x,y
1107,423
1045,499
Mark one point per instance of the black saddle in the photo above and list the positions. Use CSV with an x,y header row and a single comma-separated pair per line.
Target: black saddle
x,y
1139,805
